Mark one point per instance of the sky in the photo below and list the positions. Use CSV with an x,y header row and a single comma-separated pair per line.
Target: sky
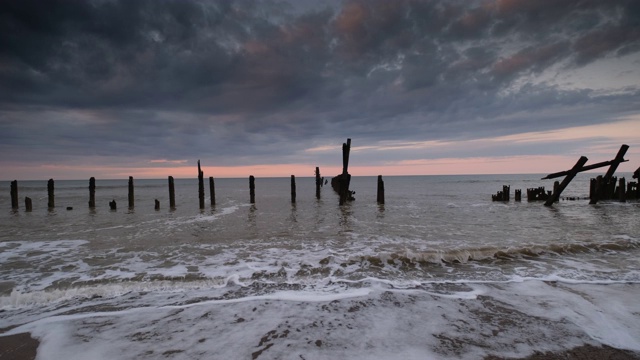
x,y
145,88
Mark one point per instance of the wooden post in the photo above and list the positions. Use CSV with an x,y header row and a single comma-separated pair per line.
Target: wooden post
x,y
518,195
27,204
92,193
571,174
293,189
157,205
252,189
51,198
112,205
622,190
14,194
556,184
131,199
172,194
200,186
345,178
380,197
318,182
212,191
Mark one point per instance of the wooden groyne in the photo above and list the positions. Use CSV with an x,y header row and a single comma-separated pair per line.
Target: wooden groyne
x,y
340,183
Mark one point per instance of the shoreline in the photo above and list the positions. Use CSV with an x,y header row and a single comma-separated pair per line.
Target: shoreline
x,y
23,347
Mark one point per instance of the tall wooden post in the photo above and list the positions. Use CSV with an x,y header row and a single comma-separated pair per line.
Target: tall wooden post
x,y
293,189
50,194
200,186
28,204
131,198
92,193
380,197
570,175
212,191
345,178
172,194
622,190
252,189
318,182
14,194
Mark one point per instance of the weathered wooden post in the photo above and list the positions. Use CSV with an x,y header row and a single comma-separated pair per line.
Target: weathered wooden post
x,y
380,192
92,192
14,194
318,182
212,191
28,204
200,186
293,189
131,199
556,185
50,194
622,190
112,205
345,178
252,189
157,204
172,194
518,195
613,166
570,175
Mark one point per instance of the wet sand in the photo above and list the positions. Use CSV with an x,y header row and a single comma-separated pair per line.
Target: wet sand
x,y
18,347
24,347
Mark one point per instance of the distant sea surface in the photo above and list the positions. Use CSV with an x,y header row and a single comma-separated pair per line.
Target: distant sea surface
x,y
438,272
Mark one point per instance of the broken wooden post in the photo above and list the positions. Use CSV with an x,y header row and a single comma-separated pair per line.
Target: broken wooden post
x,y
14,194
380,196
293,189
518,195
613,166
172,194
157,205
92,192
50,195
252,189
212,191
200,186
112,205
570,175
340,183
130,197
622,190
318,182
28,204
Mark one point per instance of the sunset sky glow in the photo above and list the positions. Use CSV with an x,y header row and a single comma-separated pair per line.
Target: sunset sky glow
x,y
117,88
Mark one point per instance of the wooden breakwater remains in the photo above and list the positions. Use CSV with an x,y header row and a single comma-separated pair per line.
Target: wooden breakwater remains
x,y
603,187
340,184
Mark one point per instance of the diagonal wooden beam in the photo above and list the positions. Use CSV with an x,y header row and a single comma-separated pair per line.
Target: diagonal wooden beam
x,y
570,175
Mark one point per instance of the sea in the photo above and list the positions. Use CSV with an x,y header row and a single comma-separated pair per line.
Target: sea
x,y
440,271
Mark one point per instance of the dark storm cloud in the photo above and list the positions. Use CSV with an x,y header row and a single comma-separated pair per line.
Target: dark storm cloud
x,y
181,78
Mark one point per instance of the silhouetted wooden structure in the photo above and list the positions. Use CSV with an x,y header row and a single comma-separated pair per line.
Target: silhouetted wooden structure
x,y
252,189
380,192
538,194
92,193
50,194
130,194
319,181
172,194
518,195
340,183
212,191
28,204
503,195
14,194
293,189
113,205
200,187
157,204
